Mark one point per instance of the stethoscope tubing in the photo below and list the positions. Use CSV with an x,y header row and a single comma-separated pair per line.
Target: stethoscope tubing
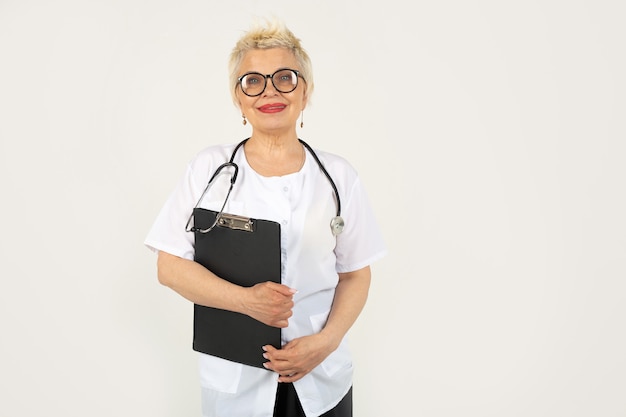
x,y
336,223
323,168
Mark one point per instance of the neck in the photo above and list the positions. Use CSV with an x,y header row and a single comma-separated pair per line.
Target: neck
x,y
273,155
274,142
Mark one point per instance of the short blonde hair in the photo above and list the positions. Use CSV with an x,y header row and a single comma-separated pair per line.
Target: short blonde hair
x,y
266,35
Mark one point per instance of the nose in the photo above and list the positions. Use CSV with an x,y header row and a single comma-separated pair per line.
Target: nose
x,y
269,87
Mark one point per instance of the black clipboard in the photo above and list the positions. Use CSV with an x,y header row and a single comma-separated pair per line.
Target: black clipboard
x,y
245,252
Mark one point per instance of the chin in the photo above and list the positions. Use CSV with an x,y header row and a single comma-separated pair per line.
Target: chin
x,y
276,128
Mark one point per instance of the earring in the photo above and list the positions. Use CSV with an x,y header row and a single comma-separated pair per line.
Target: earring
x,y
244,121
302,119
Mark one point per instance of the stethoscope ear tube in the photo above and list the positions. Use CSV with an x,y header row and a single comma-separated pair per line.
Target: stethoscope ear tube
x,y
336,224
233,178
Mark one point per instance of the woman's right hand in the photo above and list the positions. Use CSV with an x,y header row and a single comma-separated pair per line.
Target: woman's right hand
x,y
270,303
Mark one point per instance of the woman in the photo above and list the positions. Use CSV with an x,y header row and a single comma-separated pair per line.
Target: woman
x,y
325,274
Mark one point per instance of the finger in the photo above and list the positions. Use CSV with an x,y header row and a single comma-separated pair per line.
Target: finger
x,y
269,348
279,316
282,289
281,324
281,368
268,352
275,356
283,375
291,378
278,365
286,353
281,321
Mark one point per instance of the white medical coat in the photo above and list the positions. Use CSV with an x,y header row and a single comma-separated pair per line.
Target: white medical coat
x,y
303,203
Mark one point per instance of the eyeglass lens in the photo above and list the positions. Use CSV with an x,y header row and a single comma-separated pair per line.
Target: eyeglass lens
x,y
285,81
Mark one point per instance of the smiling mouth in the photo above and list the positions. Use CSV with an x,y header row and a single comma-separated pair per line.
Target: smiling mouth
x,y
272,108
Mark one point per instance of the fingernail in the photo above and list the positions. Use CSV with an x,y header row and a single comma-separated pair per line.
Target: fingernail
x,y
265,356
265,365
264,348
293,290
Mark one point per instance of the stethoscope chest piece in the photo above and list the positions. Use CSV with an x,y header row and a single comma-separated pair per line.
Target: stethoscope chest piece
x,y
336,225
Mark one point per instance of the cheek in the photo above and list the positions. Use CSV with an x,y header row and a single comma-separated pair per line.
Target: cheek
x,y
244,103
242,100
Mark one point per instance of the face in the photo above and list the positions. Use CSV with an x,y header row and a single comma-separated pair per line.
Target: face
x,y
271,112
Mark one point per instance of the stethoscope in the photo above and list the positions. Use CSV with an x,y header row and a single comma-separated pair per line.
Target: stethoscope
x,y
336,223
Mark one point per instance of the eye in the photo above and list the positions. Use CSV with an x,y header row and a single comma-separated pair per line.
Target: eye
x,y
285,77
252,80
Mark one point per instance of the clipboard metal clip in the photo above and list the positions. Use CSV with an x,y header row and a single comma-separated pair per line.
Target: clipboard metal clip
x,y
235,222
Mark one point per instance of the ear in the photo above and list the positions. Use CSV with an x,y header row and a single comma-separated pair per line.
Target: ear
x,y
237,101
305,100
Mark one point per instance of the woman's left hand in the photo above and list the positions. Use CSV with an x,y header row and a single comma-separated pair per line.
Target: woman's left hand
x,y
298,357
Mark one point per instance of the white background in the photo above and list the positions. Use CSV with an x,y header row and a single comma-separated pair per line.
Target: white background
x,y
490,136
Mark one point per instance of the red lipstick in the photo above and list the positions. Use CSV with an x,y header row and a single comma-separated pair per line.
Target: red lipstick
x,y
272,108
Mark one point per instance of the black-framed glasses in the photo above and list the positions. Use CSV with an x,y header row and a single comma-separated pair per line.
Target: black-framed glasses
x,y
285,80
